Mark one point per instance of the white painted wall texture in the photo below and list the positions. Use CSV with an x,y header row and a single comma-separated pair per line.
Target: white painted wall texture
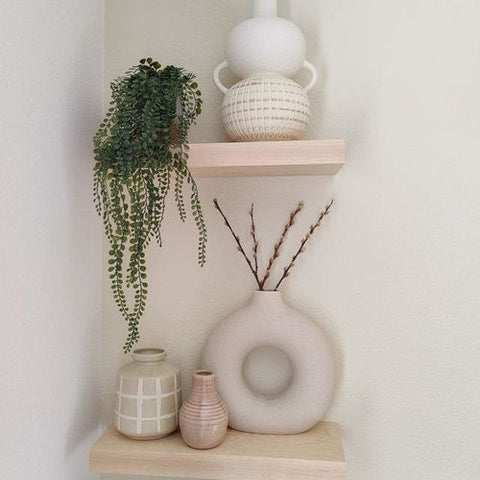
x,y
51,91
393,276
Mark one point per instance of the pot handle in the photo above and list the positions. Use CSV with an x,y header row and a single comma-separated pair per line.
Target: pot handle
x,y
314,73
216,77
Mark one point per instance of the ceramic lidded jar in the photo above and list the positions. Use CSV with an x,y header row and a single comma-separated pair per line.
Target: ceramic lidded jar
x,y
148,396
203,417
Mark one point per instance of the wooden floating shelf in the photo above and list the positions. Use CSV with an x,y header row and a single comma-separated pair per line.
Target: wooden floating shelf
x,y
252,159
313,455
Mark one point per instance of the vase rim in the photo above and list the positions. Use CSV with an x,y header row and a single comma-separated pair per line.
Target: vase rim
x,y
265,8
202,378
149,354
267,296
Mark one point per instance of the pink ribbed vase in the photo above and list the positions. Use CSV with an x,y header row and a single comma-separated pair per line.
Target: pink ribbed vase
x,y
203,417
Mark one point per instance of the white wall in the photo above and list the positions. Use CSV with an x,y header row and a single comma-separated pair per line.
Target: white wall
x,y
394,275
51,91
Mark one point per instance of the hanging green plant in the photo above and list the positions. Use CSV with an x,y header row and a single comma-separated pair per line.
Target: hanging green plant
x,y
141,151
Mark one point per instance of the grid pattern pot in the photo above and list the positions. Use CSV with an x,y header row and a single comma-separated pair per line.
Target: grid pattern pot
x,y
148,396
265,107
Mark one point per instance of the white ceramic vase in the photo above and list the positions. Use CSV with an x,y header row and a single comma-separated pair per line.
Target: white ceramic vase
x,y
287,402
264,52
265,43
148,396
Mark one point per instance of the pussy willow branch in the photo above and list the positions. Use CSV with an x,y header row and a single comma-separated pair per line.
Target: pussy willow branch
x,y
237,240
253,233
278,245
305,239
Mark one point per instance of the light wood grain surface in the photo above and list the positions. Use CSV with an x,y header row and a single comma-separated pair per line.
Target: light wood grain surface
x,y
302,157
314,455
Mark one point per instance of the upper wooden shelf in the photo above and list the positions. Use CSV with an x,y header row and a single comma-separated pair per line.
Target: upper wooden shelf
x,y
252,159
313,455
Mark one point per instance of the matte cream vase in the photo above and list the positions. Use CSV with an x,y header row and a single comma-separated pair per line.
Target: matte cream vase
x,y
148,396
273,365
203,417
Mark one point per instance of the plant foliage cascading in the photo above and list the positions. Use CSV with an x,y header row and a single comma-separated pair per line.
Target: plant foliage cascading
x,y
141,152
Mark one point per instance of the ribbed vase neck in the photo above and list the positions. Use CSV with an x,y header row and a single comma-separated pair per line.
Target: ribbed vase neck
x,y
203,387
265,8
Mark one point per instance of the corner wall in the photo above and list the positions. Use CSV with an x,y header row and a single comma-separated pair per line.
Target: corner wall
x,y
393,276
51,96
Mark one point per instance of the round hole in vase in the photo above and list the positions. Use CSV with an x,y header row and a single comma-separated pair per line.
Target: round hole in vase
x,y
267,370
268,321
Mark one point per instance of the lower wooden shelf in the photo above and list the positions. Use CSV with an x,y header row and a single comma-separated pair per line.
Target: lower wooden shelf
x,y
313,455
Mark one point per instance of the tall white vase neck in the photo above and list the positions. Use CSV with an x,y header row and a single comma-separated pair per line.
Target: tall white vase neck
x,y
265,8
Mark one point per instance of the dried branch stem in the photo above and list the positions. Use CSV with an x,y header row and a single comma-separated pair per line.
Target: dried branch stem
x,y
237,240
278,245
253,233
305,239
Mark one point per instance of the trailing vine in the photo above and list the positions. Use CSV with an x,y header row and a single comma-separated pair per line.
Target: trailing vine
x,y
139,146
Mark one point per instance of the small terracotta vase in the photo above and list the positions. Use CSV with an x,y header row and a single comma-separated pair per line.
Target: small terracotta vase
x,y
203,417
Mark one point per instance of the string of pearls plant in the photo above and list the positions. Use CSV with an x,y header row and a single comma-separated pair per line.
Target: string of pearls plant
x,y
141,152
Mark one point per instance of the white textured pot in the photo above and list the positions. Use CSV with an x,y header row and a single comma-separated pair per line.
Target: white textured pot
x,y
265,107
148,396
302,399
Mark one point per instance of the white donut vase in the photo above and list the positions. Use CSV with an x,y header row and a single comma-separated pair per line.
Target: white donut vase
x,y
267,321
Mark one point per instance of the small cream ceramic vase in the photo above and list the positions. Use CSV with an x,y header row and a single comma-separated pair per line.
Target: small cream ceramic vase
x,y
203,417
148,396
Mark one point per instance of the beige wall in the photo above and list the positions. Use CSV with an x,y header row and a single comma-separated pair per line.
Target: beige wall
x,y
51,95
393,277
